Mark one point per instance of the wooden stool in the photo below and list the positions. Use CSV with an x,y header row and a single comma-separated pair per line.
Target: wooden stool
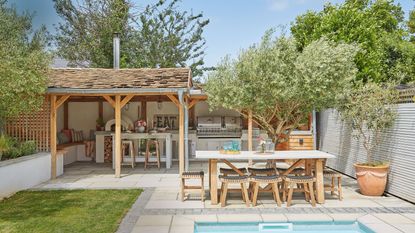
x,y
307,182
230,171
332,188
129,143
233,179
272,180
148,153
192,175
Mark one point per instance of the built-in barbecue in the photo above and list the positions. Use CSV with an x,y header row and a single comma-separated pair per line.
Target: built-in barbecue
x,y
219,127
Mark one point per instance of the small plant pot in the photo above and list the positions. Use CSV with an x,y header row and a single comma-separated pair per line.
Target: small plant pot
x,y
371,180
141,129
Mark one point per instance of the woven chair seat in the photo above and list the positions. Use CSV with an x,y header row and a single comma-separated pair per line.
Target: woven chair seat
x,y
299,179
230,171
266,179
193,174
261,170
233,179
331,173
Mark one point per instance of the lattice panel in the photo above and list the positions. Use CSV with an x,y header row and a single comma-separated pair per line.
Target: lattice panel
x,y
407,95
33,126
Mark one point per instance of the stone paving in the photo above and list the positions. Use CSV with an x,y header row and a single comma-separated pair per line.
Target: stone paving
x,y
159,210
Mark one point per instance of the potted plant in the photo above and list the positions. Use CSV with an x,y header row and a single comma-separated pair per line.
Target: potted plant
x,y
370,109
4,145
100,124
140,126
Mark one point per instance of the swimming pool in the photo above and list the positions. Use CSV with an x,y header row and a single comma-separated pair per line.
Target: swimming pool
x,y
303,227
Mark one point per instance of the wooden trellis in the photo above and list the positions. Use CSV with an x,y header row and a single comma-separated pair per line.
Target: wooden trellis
x,y
32,126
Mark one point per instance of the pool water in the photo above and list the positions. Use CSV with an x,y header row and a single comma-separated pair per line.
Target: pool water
x,y
303,227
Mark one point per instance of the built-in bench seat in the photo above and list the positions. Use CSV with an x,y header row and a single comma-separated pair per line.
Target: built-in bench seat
x,y
74,151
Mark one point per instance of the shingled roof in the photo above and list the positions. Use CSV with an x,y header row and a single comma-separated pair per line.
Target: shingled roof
x,y
97,78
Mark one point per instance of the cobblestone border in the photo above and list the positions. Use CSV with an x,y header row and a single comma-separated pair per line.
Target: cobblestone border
x,y
128,222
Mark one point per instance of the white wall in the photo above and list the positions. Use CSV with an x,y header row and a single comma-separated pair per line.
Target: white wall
x,y
202,109
25,172
167,108
59,119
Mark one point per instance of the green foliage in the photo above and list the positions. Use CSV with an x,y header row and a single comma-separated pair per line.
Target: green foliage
x,y
23,63
160,36
66,211
411,24
376,26
168,37
370,109
84,38
17,149
280,84
4,144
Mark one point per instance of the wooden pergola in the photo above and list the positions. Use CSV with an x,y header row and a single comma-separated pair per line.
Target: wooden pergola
x,y
118,87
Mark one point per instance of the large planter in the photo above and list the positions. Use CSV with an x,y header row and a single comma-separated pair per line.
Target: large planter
x,y
371,180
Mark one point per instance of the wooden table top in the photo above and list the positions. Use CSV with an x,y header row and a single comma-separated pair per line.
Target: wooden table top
x,y
246,155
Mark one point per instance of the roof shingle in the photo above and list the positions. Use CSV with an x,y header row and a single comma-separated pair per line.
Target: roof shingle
x,y
97,78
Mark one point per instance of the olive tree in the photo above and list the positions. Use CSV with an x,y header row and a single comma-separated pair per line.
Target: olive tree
x,y
370,109
280,84
23,63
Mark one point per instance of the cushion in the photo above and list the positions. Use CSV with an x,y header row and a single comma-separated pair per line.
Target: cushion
x,y
62,138
73,135
78,136
68,133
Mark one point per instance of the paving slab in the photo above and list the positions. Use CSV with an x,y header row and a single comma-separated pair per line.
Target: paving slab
x,y
308,217
154,220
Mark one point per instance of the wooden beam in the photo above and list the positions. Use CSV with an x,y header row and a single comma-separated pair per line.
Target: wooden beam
x,y
181,138
193,103
143,114
250,130
174,100
61,101
53,135
66,115
126,99
101,109
117,143
109,100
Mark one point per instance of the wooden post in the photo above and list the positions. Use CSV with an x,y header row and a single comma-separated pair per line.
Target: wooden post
x,y
53,135
117,136
250,130
143,114
181,139
101,109
65,115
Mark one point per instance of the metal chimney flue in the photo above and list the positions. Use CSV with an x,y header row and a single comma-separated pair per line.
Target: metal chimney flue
x,y
116,50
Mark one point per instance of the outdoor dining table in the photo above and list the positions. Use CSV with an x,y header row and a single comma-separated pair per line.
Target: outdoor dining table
x,y
307,157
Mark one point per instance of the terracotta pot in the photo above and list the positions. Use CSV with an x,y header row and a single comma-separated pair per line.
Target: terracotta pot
x,y
371,180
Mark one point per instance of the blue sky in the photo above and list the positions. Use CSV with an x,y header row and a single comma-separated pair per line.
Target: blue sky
x,y
234,24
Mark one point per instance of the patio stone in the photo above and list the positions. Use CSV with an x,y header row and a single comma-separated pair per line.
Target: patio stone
x,y
175,204
394,218
369,219
182,229
154,220
407,228
382,228
345,217
151,229
308,217
239,218
182,220
273,218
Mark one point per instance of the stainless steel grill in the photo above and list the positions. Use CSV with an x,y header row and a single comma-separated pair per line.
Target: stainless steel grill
x,y
219,127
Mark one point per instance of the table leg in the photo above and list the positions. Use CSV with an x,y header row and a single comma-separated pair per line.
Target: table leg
x,y
168,152
213,176
319,181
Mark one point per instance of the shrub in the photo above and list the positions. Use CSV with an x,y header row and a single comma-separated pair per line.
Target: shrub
x,y
17,149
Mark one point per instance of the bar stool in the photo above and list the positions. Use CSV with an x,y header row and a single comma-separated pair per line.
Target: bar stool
x,y
264,176
147,161
333,175
230,171
130,145
192,175
226,179
307,182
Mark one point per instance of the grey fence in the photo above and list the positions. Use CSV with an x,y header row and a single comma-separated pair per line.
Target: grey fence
x,y
397,146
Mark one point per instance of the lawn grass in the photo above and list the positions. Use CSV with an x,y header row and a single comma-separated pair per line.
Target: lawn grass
x,y
66,210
